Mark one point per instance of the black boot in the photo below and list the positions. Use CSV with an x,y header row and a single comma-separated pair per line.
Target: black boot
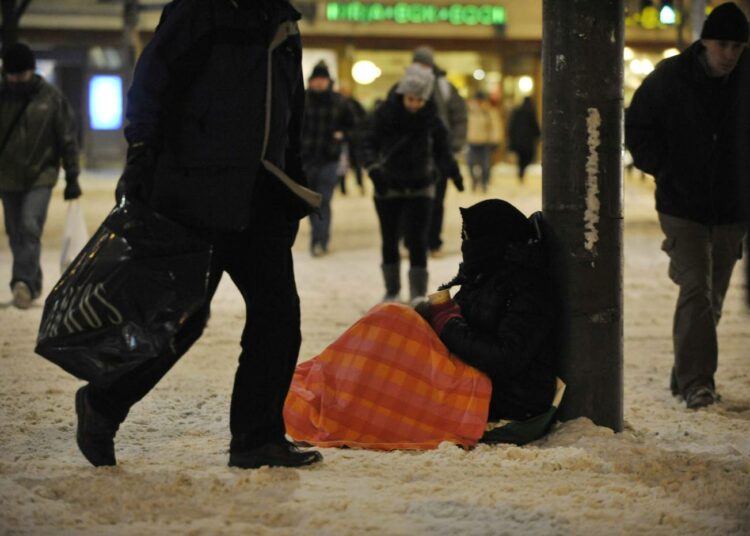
x,y
392,279
417,284
96,433
275,454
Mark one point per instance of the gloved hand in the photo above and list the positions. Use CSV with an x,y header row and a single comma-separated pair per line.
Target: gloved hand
x,y
137,178
422,307
457,179
378,180
440,314
72,188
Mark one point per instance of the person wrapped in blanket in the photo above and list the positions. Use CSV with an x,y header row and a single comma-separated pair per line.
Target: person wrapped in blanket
x,y
407,377
501,321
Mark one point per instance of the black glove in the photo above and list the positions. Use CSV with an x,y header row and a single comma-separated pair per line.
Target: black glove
x,y
72,188
378,180
137,178
422,307
458,180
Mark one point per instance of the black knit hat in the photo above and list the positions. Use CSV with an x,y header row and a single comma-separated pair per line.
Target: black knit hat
x,y
727,23
320,71
497,219
18,58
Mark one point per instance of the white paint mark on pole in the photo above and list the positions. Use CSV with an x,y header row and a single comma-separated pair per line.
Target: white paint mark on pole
x,y
560,62
591,215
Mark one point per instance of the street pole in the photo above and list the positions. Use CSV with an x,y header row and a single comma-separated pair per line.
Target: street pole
x,y
582,47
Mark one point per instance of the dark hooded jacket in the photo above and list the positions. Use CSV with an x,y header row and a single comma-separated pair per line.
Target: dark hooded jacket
x,y
408,149
42,138
218,92
691,132
506,328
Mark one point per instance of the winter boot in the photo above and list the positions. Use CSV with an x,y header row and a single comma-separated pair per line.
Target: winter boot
x,y
417,284
392,278
96,433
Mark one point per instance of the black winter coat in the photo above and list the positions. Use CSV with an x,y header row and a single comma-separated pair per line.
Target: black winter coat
x,y
409,149
692,133
218,91
507,332
326,113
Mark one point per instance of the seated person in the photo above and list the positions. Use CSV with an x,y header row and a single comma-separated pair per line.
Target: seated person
x,y
402,378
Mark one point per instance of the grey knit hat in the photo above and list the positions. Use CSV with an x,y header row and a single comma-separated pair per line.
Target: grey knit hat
x,y
424,54
417,81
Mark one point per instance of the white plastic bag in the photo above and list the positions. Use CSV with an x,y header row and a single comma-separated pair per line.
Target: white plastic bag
x,y
75,234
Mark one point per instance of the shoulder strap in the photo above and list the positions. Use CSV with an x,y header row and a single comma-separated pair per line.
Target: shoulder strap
x,y
13,125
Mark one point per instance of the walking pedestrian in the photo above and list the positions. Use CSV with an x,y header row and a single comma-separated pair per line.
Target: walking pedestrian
x,y
523,134
325,125
451,109
214,115
484,137
37,133
685,126
405,150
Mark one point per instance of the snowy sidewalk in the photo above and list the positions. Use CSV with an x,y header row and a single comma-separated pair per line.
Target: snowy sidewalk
x,y
672,471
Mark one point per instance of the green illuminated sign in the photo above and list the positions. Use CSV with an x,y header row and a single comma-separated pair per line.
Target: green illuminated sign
x,y
412,13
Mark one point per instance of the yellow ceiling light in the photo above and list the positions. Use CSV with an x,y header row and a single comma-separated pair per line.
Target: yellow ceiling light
x,y
365,72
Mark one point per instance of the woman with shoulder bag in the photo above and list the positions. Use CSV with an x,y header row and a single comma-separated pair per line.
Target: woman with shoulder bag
x,y
405,146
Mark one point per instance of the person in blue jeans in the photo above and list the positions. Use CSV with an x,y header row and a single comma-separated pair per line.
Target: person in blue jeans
x,y
325,124
37,133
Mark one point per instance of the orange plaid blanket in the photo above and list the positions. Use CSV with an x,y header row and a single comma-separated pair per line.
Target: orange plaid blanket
x,y
387,383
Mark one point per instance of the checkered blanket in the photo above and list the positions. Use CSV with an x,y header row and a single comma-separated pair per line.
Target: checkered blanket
x,y
387,383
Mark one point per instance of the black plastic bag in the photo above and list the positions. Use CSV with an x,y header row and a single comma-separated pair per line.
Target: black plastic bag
x,y
125,296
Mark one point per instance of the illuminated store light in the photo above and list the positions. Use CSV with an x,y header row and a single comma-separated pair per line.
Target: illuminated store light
x,y
479,74
642,67
105,102
416,13
525,84
667,15
670,52
365,72
628,54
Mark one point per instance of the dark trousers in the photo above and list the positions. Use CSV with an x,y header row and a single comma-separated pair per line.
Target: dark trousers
x,y
702,258
25,215
259,261
479,161
525,157
407,215
435,229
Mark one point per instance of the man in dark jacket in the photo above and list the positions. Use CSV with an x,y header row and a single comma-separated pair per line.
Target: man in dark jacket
x,y
214,114
37,132
688,126
325,125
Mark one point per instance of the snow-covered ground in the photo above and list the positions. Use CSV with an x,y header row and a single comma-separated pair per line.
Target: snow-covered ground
x,y
671,471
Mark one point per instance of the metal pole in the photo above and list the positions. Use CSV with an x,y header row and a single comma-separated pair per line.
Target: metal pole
x,y
10,23
582,48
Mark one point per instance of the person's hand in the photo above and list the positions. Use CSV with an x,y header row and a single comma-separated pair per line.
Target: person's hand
x,y
137,178
72,188
458,180
422,307
441,314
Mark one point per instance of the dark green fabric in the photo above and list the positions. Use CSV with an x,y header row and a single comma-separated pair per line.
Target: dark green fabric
x,y
522,432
